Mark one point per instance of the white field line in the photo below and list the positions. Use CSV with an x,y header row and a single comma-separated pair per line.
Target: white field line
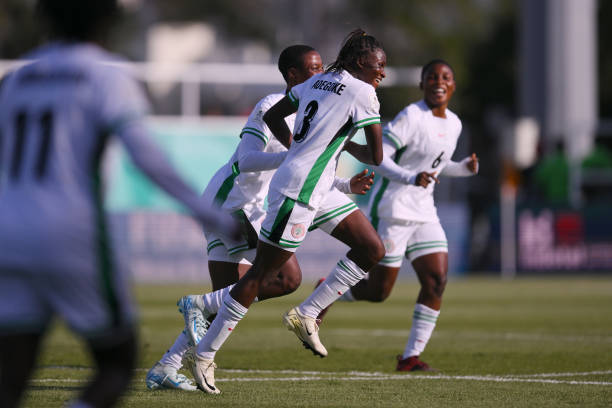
x,y
474,334
378,376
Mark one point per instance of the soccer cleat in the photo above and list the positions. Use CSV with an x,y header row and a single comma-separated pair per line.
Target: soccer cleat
x,y
412,364
196,322
324,311
306,329
162,376
204,373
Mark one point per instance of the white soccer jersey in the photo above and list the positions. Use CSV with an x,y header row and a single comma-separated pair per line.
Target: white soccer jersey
x,y
56,116
422,142
331,107
233,189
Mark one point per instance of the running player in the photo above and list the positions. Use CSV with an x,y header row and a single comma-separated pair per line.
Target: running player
x,y
57,116
418,145
240,187
330,108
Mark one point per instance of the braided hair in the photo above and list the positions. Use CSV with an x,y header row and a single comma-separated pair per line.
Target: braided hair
x,y
356,45
291,57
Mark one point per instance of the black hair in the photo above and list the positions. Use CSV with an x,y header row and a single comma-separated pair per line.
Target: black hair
x,y
77,19
356,45
432,63
291,57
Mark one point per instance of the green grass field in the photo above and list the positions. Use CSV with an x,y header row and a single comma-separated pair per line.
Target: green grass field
x,y
528,343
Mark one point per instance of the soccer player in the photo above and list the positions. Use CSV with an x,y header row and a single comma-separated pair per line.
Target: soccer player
x,y
330,108
240,187
418,145
56,257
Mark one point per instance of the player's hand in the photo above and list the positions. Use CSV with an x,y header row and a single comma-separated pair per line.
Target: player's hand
x,y
361,182
424,178
472,164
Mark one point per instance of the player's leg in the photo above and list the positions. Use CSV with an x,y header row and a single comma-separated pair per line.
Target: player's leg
x,y
366,251
381,278
376,287
18,354
282,232
95,301
115,363
428,251
24,317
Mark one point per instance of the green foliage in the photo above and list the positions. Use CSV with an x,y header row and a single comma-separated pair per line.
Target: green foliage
x,y
496,344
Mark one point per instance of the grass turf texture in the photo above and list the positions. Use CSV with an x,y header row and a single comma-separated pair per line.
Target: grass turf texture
x,y
529,342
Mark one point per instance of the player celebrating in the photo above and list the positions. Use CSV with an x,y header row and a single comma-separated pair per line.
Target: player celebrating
x,y
240,187
330,108
418,145
56,259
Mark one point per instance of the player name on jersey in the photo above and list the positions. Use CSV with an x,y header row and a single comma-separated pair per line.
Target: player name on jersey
x,y
335,87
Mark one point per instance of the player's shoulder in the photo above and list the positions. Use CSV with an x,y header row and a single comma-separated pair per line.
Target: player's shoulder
x,y
452,116
269,100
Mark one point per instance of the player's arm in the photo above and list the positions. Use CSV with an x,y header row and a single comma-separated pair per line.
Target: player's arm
x,y
360,183
275,119
154,163
394,172
372,152
465,168
251,156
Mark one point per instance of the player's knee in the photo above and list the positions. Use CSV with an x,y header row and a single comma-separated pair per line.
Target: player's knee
x,y
375,250
437,282
291,283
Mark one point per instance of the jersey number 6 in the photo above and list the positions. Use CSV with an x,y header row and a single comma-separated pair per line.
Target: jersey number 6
x,y
309,112
436,162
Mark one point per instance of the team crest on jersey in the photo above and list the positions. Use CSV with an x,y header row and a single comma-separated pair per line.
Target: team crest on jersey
x,y
259,115
298,231
389,245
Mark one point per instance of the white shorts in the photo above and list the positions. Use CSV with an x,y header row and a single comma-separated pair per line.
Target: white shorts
x,y
94,304
287,221
222,249
409,239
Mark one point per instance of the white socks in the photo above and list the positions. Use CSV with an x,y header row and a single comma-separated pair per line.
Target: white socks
x,y
423,324
228,316
342,277
347,297
213,300
174,356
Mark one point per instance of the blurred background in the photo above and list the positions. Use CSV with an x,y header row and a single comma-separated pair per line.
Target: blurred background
x,y
534,92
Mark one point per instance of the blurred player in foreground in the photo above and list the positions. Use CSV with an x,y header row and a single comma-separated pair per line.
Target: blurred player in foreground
x,y
418,145
330,108
240,187
57,115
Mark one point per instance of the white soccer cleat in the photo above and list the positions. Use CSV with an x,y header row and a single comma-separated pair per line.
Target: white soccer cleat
x,y
161,376
196,322
204,373
306,329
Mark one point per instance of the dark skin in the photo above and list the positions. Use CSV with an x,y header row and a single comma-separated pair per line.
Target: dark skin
x,y
438,86
289,275
355,230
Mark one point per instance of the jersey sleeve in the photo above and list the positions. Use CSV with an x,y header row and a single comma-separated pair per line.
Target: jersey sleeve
x,y
255,125
366,109
397,132
122,100
251,156
296,92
